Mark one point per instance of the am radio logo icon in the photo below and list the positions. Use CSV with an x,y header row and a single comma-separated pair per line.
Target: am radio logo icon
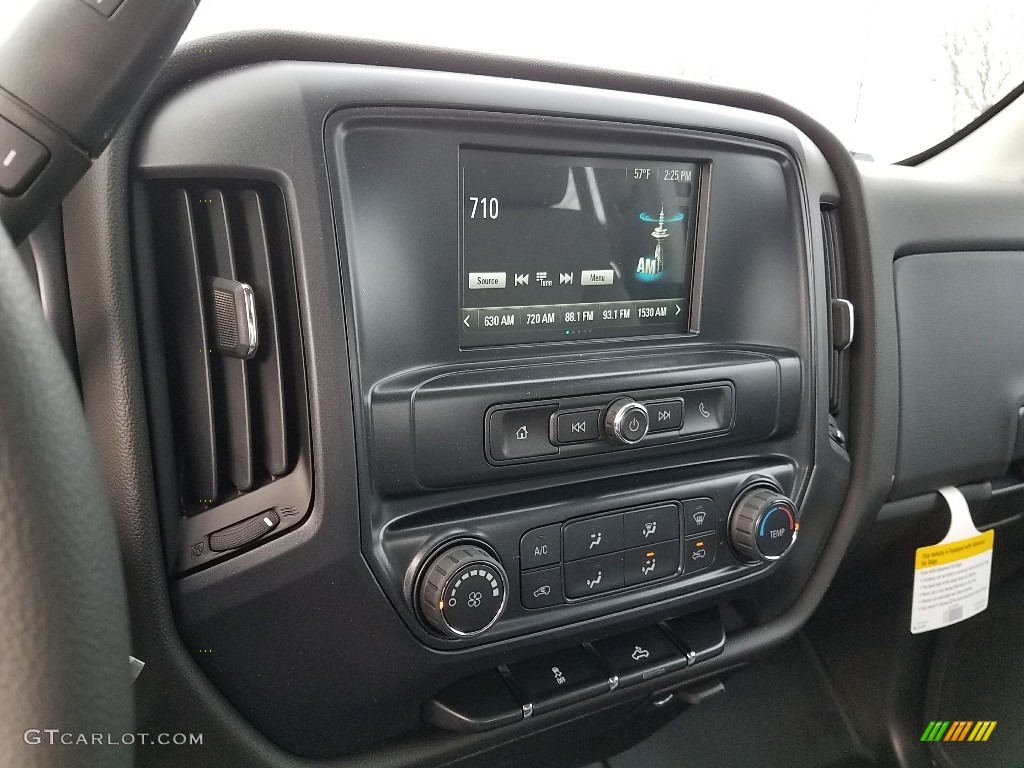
x,y
958,730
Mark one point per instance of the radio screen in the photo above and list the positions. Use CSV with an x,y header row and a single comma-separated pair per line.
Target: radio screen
x,y
564,248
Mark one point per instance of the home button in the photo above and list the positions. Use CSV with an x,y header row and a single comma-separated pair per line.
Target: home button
x,y
520,433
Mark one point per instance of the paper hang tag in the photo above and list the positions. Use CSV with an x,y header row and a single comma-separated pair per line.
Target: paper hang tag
x,y
951,578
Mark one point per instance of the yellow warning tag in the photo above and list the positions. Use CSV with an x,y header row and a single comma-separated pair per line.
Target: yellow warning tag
x,y
951,578
942,554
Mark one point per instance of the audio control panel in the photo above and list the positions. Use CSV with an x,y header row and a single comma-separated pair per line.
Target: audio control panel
x,y
586,425
462,427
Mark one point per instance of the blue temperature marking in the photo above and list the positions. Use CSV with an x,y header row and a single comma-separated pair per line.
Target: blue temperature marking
x,y
764,519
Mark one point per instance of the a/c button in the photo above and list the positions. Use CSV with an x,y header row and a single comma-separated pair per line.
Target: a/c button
x,y
541,546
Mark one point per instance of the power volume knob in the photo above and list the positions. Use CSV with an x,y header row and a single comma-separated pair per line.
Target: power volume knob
x,y
463,591
762,525
626,422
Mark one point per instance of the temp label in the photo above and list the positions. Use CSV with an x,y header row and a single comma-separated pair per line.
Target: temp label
x,y
951,578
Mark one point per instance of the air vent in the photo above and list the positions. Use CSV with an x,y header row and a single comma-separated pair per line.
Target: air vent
x,y
231,338
837,300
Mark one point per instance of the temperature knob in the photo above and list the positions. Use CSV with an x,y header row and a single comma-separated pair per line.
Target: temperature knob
x,y
625,422
762,525
462,591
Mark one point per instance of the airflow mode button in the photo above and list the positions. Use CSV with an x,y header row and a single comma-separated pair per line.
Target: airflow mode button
x,y
593,536
643,527
650,563
593,576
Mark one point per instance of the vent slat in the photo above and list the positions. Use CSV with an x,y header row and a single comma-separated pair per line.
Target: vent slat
x,y
184,318
255,253
231,379
234,395
836,288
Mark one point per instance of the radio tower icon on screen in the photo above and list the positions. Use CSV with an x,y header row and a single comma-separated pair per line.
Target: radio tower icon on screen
x,y
655,265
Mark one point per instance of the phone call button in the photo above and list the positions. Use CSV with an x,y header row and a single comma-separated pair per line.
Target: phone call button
x,y
707,410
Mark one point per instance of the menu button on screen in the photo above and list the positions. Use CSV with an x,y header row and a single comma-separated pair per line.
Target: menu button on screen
x,y
597,277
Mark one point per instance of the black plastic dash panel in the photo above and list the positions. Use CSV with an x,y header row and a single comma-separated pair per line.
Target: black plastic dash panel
x,y
555,680
448,439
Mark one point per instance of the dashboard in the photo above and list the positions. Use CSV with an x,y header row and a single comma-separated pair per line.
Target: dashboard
x,y
488,402
565,384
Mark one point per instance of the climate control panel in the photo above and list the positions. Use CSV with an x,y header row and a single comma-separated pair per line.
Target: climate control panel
x,y
599,554
526,563
467,586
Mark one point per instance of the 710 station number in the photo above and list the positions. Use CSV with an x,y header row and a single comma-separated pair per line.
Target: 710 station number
x,y
483,207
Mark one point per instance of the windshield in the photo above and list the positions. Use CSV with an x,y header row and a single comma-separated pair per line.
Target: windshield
x,y
890,77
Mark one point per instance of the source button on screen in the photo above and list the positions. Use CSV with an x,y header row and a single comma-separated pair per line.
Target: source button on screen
x,y
481,280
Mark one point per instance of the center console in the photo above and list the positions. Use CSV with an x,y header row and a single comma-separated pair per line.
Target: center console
x,y
537,297
550,388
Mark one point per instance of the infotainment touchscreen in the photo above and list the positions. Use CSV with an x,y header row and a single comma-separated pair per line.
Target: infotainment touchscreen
x,y
565,248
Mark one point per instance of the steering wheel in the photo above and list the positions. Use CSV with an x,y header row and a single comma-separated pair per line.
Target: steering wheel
x,y
65,680
65,684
